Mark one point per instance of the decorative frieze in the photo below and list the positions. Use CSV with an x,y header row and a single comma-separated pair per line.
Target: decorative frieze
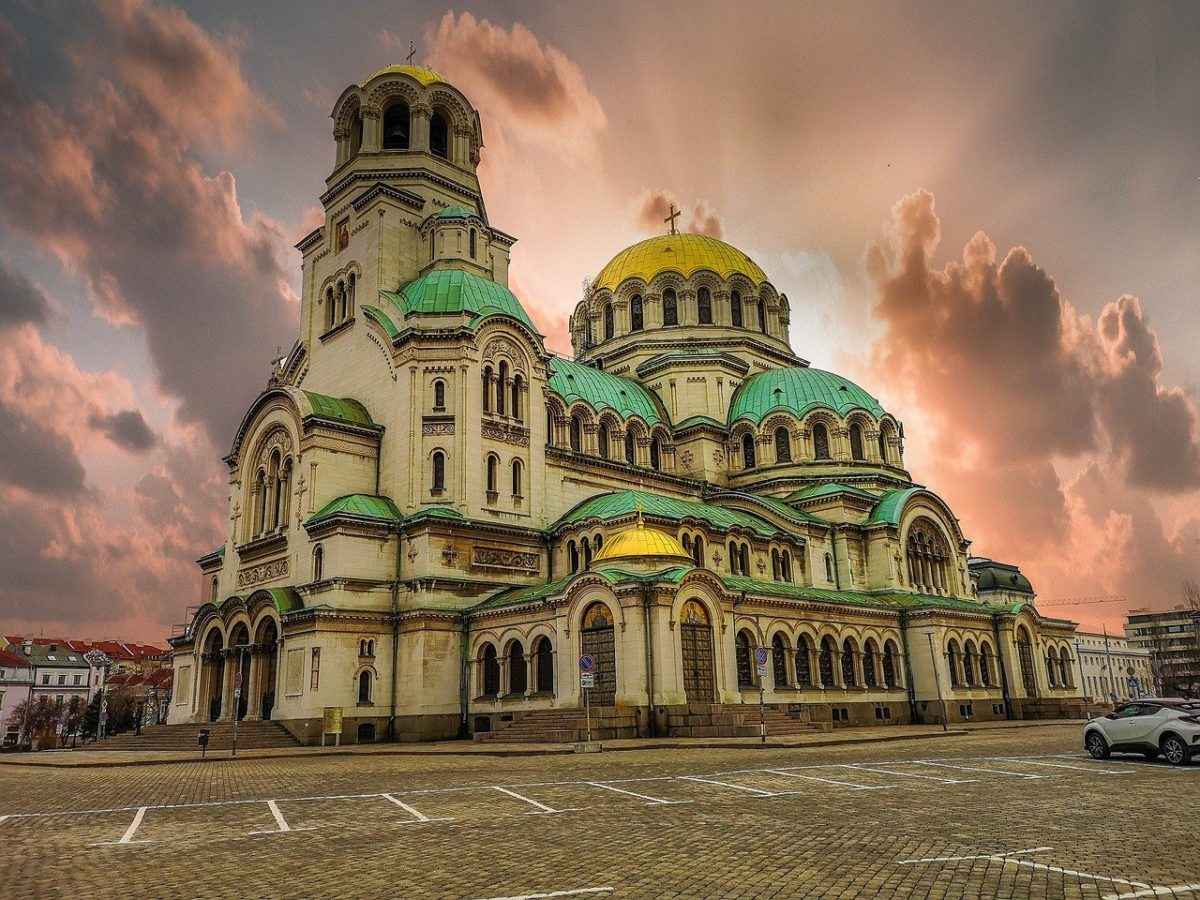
x,y
509,434
492,558
437,428
277,568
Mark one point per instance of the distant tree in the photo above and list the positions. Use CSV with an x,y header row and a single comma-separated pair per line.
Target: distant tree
x,y
121,708
72,715
39,718
91,715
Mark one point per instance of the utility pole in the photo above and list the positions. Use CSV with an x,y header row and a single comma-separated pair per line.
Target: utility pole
x,y
937,679
1112,674
237,695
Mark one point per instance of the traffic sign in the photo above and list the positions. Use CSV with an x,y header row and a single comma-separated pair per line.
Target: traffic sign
x,y
587,663
761,655
587,680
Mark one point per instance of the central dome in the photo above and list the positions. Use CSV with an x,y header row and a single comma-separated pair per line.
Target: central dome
x,y
682,253
422,74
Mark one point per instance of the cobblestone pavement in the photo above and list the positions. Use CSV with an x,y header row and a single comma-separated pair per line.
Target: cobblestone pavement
x,y
1018,813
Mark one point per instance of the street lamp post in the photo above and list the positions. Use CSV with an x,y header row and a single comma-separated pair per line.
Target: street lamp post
x,y
937,679
1079,662
237,693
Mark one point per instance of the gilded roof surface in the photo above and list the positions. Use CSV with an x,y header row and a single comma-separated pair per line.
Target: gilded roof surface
x,y
641,542
682,253
573,381
798,389
625,503
424,75
451,291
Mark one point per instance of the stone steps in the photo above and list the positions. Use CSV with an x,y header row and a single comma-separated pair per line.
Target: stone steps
x,y
252,735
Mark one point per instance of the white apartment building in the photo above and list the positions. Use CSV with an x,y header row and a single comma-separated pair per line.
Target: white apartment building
x,y
16,678
1112,669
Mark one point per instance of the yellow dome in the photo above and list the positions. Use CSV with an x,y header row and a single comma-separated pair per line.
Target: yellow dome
x,y
641,542
420,73
682,253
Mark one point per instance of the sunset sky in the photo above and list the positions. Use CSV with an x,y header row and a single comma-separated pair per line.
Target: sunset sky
x,y
987,215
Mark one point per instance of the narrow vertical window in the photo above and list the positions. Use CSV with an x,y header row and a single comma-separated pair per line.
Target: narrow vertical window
x,y
487,389
491,475
318,566
501,387
783,445
471,242
629,447
735,308
670,307
396,127
576,434
856,441
609,324
515,405
636,320
762,316
439,471
748,460
821,441
439,136
704,306
439,395
604,440
656,454
516,478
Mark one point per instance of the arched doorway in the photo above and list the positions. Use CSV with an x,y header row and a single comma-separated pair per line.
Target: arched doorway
x,y
266,640
544,660
214,664
695,636
491,670
239,646
598,640
1025,655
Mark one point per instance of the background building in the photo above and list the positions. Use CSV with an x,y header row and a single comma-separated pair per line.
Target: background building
x,y
1113,668
1172,640
16,683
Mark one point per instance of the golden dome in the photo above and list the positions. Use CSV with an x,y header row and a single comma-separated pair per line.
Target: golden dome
x,y
641,542
682,253
425,76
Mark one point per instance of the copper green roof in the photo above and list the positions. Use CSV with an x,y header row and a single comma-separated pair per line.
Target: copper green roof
x,y
881,600
286,599
435,512
454,291
779,507
994,576
798,389
626,503
359,506
374,312
700,420
518,595
453,212
813,491
890,507
573,381
344,409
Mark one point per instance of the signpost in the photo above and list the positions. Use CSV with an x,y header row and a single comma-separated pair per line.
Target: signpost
x,y
237,703
202,740
761,655
331,723
587,681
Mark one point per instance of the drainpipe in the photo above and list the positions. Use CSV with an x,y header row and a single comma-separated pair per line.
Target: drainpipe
x,y
908,676
1008,713
651,729
395,630
837,572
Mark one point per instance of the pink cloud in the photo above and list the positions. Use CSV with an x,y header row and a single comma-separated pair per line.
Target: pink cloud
x,y
653,207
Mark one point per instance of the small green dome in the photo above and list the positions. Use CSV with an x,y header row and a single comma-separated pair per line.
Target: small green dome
x,y
453,212
574,381
450,291
996,576
798,390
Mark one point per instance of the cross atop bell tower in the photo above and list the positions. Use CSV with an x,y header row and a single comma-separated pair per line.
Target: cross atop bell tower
x,y
671,219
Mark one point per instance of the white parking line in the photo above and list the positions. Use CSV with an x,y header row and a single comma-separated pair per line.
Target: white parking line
x,y
127,838
654,800
933,859
737,787
574,893
1034,762
1155,892
852,786
284,827
856,767
418,816
1008,859
981,769
543,809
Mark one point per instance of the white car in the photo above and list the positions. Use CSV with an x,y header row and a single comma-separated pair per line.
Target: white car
x,y
1166,725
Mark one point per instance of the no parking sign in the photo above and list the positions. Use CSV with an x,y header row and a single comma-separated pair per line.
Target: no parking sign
x,y
760,659
587,671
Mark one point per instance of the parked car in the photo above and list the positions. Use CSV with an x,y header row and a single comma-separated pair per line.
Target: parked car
x,y
1154,725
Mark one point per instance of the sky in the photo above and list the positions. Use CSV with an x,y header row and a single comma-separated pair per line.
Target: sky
x,y
987,215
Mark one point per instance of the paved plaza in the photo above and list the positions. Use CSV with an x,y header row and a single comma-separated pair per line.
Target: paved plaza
x,y
1006,813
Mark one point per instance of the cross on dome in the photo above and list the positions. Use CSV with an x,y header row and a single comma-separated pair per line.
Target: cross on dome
x,y
671,219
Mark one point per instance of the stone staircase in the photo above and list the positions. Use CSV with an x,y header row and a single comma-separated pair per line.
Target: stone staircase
x,y
252,735
562,726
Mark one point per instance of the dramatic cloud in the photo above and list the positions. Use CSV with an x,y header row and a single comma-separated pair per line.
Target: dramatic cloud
x,y
521,82
126,429
1009,384
105,179
20,299
654,207
36,458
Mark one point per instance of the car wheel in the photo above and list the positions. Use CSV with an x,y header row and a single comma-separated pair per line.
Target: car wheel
x,y
1175,750
1150,754
1096,745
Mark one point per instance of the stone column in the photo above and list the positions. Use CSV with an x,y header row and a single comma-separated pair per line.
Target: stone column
x,y
418,134
530,680
372,139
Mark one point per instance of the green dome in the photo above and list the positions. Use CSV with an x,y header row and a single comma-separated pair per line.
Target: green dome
x,y
450,291
453,212
799,390
573,381
996,576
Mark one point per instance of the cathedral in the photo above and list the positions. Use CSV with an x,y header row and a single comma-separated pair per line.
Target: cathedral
x,y
433,518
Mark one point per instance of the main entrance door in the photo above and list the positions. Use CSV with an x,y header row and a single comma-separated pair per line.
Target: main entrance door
x,y
1025,653
695,634
597,639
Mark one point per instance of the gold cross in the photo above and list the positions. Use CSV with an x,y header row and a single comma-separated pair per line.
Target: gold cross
x,y
412,51
672,217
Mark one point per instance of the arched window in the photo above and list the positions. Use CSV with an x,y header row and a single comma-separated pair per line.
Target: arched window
x,y
396,126
341,301
779,666
748,459
636,315
330,309
350,281
491,671
471,242
1064,668
785,565
604,440
828,567
849,670
704,306
501,387
774,564
516,478
439,136
889,664
762,316
656,454
516,407
587,552
487,388
1052,667
733,559
432,245
439,472
969,664
825,662
697,551
609,325
820,441
670,307
573,556
518,671
745,667
260,503
985,664
735,308
952,659
549,425
783,445
803,662
364,686
212,590
439,395
491,474
744,552
577,433
356,133
629,447
870,678
882,447
318,565
928,557
544,660
856,442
